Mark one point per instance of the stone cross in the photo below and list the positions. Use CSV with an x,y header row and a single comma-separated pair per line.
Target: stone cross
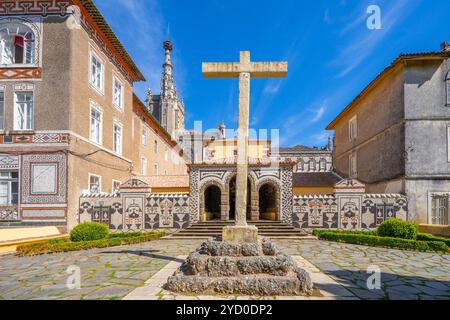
x,y
244,70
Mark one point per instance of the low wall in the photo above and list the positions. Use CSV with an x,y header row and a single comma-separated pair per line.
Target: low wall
x,y
437,230
347,211
136,211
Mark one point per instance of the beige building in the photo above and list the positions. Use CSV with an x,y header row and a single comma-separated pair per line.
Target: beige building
x,y
69,121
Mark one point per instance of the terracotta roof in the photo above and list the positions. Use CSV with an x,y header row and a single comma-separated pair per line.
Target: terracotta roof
x,y
400,58
175,181
139,106
315,179
104,27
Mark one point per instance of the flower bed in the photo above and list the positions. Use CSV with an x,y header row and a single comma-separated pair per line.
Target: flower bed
x,y
65,244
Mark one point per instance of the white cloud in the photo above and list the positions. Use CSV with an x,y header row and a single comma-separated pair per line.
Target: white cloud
x,y
365,41
318,114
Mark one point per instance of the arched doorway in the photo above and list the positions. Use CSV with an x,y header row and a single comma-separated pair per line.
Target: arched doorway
x,y
268,202
232,199
212,202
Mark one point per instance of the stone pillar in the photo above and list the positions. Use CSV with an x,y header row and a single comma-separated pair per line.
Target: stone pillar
x,y
242,145
255,206
224,207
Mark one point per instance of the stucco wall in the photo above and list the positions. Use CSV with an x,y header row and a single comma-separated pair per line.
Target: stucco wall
x,y
379,133
51,92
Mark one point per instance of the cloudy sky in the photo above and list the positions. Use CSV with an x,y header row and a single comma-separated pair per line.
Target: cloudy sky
x,y
331,52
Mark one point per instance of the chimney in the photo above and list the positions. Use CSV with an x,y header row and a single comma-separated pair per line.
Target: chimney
x,y
445,46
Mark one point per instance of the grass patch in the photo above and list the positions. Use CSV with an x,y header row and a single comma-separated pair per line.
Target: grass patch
x,y
65,245
370,238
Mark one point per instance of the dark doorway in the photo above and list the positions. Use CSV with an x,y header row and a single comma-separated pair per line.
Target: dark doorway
x,y
268,203
212,203
232,215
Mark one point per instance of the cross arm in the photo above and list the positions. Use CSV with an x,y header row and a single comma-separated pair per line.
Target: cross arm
x,y
221,69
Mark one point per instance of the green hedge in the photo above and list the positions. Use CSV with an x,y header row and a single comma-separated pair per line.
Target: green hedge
x,y
371,240
430,237
88,231
64,245
397,228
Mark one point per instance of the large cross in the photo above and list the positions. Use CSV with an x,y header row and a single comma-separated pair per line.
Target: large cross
x,y
244,70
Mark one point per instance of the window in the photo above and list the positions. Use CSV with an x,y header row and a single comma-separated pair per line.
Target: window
x,y
144,166
17,44
117,135
352,166
144,137
165,172
323,165
2,110
155,169
447,87
23,111
117,93
9,187
300,165
156,146
116,186
439,209
95,184
96,125
312,165
352,129
96,72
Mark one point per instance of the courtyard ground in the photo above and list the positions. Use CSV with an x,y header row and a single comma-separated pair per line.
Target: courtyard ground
x,y
112,273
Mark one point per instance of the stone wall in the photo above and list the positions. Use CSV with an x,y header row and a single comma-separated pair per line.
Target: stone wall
x,y
135,208
344,211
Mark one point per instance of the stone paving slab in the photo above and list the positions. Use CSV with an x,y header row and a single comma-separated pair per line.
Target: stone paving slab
x,y
325,287
112,273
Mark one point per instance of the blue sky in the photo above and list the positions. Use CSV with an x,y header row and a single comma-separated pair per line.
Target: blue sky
x,y
332,55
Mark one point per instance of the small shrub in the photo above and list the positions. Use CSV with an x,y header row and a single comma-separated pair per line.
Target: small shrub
x,y
88,231
397,228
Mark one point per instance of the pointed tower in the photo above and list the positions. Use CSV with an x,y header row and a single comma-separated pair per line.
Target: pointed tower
x,y
172,109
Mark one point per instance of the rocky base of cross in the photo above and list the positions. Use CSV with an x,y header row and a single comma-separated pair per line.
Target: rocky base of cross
x,y
257,268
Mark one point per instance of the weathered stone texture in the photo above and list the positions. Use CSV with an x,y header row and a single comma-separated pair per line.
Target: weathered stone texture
x,y
229,268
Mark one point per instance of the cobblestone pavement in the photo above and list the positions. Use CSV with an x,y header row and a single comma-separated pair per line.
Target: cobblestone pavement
x,y
405,275
112,273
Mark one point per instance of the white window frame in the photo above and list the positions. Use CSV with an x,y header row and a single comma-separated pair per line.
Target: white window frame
x,y
9,181
35,28
16,110
352,170
99,182
120,149
448,142
2,116
99,110
92,55
144,136
447,90
144,165
122,92
112,185
430,205
353,128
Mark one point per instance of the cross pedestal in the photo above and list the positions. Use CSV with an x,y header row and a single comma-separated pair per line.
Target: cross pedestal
x,y
244,70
